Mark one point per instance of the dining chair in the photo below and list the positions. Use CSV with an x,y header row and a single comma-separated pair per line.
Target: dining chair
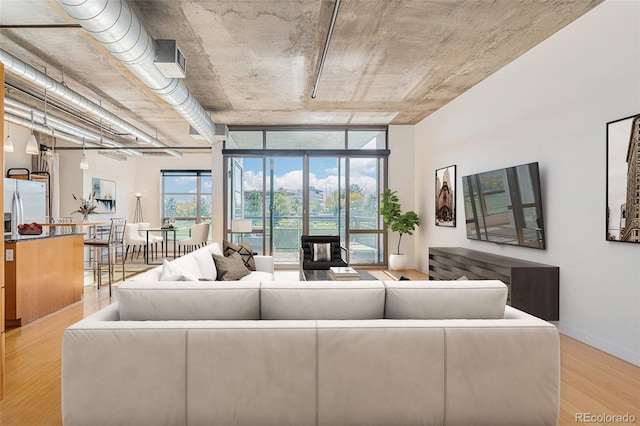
x,y
133,240
143,228
199,233
114,242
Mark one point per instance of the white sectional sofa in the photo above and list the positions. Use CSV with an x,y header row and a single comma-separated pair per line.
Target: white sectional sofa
x,y
311,353
200,264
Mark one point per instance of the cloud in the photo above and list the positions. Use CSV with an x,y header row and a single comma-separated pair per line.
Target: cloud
x,y
363,174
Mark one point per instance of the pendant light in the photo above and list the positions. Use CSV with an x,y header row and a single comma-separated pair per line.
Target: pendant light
x,y
32,143
8,143
84,164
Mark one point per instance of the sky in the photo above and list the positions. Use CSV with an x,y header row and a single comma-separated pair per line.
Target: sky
x,y
323,173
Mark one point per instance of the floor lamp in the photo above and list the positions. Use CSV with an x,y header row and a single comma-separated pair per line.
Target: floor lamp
x,y
241,226
137,215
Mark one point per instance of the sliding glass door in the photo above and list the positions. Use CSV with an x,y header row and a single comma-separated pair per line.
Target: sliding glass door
x,y
326,192
286,197
284,209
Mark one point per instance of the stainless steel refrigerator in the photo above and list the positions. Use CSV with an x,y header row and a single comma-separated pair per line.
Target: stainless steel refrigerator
x,y
25,201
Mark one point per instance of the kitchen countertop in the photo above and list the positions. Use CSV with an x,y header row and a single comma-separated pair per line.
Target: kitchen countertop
x,y
44,235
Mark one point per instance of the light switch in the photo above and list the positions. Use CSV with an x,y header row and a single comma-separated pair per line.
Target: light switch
x,y
9,255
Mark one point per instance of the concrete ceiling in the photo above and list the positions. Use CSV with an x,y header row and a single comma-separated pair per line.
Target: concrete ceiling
x,y
255,61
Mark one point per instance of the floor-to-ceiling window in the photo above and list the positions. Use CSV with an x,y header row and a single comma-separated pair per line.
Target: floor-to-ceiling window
x,y
292,182
186,197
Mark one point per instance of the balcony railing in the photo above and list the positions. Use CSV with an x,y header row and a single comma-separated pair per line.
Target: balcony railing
x,y
364,247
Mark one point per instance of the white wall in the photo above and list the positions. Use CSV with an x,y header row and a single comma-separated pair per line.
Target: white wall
x,y
402,179
74,181
551,105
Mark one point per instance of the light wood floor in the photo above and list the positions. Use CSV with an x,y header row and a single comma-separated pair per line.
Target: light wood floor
x,y
592,381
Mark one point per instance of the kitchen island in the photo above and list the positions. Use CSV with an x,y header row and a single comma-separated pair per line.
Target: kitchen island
x,y
43,273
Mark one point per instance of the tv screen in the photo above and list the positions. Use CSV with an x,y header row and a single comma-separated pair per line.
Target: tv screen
x,y
505,206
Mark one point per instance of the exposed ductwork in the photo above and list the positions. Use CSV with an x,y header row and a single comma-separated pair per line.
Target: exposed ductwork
x,y
22,110
55,88
25,122
116,26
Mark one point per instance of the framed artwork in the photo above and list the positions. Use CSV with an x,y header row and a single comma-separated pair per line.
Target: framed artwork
x,y
623,180
446,196
104,195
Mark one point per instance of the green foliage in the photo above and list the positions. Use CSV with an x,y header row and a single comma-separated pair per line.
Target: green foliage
x,y
281,204
391,212
254,203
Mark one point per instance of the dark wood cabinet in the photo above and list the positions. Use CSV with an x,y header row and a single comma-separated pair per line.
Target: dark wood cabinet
x,y
533,287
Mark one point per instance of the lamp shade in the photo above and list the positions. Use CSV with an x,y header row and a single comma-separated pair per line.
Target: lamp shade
x,y
32,145
84,164
241,226
8,144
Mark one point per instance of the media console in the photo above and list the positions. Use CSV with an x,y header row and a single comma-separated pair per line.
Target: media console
x,y
533,287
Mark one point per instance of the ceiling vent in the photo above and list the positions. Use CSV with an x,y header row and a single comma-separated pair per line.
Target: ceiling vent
x,y
170,60
221,132
194,134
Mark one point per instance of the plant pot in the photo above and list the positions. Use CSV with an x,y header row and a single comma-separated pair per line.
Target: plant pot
x,y
397,262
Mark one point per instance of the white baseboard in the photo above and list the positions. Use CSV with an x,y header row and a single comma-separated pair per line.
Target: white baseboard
x,y
606,346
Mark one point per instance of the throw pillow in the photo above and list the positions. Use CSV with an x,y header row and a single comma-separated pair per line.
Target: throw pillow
x,y
172,273
321,252
244,250
230,268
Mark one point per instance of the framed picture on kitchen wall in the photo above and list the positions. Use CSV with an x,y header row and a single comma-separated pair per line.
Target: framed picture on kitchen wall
x,y
104,195
446,196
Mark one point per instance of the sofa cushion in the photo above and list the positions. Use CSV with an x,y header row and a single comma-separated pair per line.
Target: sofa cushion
x,y
252,373
258,276
230,268
206,265
167,300
244,250
187,263
318,300
172,272
380,372
445,299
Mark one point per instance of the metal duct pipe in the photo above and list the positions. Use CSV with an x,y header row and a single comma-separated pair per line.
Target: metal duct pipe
x,y
19,109
42,129
27,72
59,135
116,26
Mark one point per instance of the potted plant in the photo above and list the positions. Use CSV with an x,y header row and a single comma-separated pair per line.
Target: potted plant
x,y
403,223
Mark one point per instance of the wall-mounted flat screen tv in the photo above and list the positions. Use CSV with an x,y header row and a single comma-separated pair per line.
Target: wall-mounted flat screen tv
x,y
505,206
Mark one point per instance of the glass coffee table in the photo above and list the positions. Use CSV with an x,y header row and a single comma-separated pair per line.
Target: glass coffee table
x,y
324,275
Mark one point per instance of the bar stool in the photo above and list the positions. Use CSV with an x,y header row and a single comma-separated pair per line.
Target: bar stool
x,y
112,243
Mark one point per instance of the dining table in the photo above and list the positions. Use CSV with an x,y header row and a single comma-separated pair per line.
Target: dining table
x,y
165,236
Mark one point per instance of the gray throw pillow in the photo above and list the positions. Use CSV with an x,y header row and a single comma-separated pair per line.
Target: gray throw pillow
x,y
230,268
244,250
